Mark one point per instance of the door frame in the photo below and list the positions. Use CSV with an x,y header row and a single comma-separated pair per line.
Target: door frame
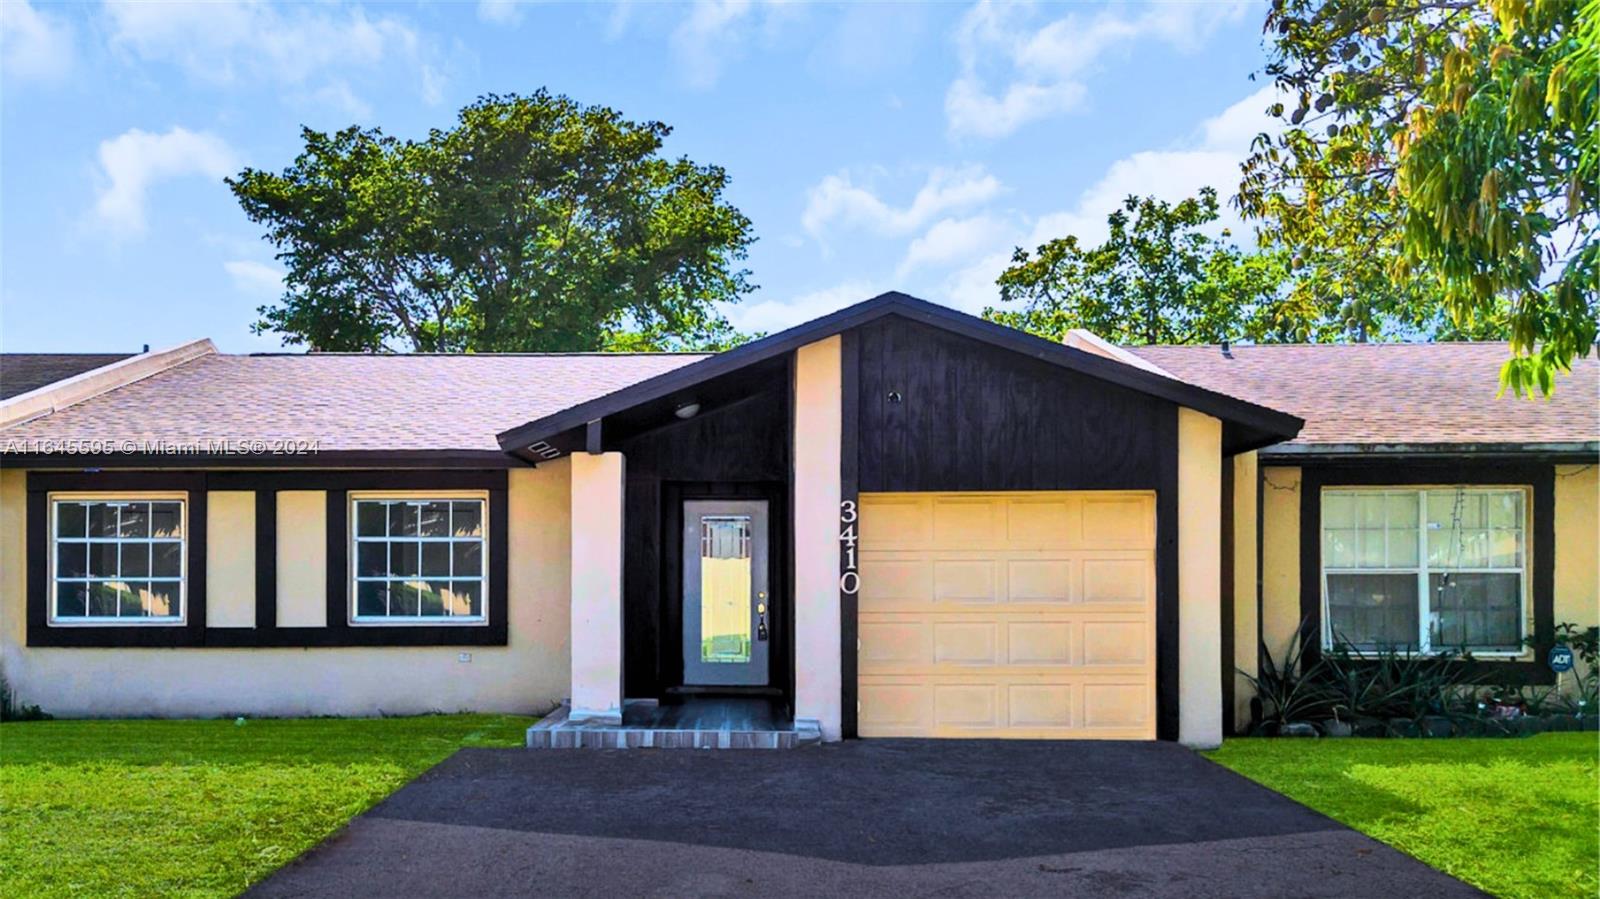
x,y
780,584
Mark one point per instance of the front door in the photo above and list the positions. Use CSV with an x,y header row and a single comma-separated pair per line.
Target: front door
x,y
727,614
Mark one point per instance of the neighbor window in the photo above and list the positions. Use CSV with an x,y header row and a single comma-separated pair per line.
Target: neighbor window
x,y
1431,569
418,560
117,560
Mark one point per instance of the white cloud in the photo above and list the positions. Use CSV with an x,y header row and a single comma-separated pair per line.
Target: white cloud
x,y
705,40
1043,69
777,314
33,44
954,240
500,12
224,42
132,162
256,278
837,200
1209,158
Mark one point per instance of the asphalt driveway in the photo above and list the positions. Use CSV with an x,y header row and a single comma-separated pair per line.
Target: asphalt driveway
x,y
865,818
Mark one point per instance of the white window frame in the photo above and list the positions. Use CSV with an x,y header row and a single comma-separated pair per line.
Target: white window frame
x,y
56,500
1422,569
353,580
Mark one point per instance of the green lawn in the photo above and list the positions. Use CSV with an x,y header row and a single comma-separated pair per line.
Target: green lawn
x,y
199,808
1515,817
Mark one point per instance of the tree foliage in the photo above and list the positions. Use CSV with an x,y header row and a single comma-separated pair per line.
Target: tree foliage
x,y
534,224
1160,276
1438,163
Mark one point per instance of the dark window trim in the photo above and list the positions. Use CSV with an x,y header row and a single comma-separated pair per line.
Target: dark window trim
x,y
1388,473
266,634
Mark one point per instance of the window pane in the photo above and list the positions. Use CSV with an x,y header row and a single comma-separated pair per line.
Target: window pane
x,y
403,557
402,520
166,559
1338,510
467,518
166,520
468,558
131,599
404,598
434,519
72,560
103,559
161,599
456,601
71,519
135,520
372,519
72,600
1505,509
372,559
433,597
435,560
1371,555
102,520
103,599
1340,548
135,559
1401,510
1373,610
1370,508
1505,549
469,594
1476,611
1403,547
372,598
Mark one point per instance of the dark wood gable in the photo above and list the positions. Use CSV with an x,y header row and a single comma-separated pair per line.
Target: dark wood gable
x,y
942,411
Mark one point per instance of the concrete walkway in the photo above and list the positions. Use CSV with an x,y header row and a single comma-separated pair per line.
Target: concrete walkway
x,y
870,818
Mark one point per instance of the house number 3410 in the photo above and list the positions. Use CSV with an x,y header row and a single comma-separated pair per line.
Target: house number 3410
x,y
850,579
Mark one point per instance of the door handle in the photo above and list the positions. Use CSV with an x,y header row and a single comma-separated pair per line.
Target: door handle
x,y
761,621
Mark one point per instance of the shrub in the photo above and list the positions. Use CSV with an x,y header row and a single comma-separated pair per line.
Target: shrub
x,y
11,710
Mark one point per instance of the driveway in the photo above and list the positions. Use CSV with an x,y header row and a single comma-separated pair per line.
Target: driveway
x,y
893,818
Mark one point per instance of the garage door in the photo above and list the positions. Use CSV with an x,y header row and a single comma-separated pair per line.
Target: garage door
x,y
1007,615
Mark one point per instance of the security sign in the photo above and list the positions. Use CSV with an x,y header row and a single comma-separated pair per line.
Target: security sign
x,y
1560,658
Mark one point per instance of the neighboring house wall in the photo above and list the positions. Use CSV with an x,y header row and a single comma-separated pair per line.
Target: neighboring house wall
x,y
529,673
1576,561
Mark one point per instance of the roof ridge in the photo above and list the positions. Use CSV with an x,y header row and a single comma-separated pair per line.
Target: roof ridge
x,y
98,381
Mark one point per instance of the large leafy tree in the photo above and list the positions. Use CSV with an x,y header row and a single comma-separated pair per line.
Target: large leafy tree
x,y
534,224
1162,275
1439,158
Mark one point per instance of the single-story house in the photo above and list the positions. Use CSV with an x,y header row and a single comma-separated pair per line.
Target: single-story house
x,y
895,520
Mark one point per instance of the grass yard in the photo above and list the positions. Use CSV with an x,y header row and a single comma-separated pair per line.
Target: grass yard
x,y
200,808
1515,817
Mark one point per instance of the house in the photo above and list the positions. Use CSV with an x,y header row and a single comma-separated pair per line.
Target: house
x,y
893,520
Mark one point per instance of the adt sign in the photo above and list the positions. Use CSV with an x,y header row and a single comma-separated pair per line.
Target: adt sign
x,y
1560,658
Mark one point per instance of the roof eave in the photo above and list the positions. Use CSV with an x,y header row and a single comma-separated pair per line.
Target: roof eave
x,y
1578,450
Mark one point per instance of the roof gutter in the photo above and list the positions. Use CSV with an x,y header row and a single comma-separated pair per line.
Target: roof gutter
x,y
85,385
1581,450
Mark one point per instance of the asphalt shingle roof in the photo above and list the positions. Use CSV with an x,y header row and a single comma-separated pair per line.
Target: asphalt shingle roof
x,y
347,402
1439,393
22,372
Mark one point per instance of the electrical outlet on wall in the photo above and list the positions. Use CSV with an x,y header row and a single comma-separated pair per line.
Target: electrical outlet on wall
x,y
463,656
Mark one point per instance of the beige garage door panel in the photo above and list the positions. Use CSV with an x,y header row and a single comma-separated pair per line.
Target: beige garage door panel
x,y
1007,615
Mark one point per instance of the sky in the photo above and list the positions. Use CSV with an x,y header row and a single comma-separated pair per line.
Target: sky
x,y
874,147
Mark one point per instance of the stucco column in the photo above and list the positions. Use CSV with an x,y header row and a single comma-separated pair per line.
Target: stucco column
x,y
817,433
597,496
1199,580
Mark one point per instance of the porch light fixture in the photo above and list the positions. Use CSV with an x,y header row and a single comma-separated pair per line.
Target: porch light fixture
x,y
687,411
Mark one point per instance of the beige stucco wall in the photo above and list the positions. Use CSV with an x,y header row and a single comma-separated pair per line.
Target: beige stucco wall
x,y
598,483
302,558
1577,572
817,434
1199,579
1280,557
530,674
231,558
1244,583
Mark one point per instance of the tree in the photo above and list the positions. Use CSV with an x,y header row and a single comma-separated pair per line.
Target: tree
x,y
1159,277
534,224
1434,157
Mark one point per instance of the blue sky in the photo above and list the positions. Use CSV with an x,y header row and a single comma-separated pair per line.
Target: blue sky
x,y
874,147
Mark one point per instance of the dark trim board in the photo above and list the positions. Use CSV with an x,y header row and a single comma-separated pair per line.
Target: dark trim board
x,y
1229,614
849,492
1167,620
1393,473
266,633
